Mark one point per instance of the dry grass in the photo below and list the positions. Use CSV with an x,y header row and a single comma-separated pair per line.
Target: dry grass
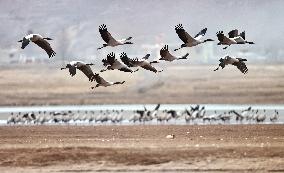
x,y
177,84
214,148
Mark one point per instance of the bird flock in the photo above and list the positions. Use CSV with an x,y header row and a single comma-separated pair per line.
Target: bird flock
x,y
190,115
132,65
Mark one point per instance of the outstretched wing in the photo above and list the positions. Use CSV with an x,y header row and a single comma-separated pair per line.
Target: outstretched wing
x,y
25,42
182,34
86,69
200,34
45,46
241,66
164,52
233,33
106,36
243,35
221,37
111,58
124,58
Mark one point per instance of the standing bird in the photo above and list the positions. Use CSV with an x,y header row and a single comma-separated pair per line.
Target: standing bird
x,y
238,62
167,56
144,63
234,38
187,39
102,82
112,63
261,117
110,41
40,41
85,68
275,117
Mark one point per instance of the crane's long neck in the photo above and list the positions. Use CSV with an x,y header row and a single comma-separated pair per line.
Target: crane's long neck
x,y
128,42
207,40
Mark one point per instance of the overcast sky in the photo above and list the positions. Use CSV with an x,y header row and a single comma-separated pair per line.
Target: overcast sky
x,y
146,21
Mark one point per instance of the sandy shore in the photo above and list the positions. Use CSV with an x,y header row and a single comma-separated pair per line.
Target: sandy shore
x,y
208,148
176,84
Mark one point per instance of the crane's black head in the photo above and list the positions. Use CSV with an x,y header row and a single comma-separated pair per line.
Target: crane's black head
x,y
183,45
128,42
208,40
25,42
68,65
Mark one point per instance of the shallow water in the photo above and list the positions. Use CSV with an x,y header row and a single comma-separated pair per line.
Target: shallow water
x,y
128,108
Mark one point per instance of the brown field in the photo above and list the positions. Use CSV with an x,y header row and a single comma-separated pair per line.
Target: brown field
x,y
176,84
208,148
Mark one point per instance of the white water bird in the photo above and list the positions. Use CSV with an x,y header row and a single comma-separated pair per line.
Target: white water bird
x,y
143,63
112,63
40,41
234,38
82,66
110,41
102,82
238,62
167,56
261,117
188,40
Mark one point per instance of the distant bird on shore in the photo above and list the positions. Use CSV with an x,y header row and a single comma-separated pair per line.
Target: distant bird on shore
x,y
234,38
84,67
144,63
112,63
167,56
110,41
102,82
261,117
274,117
188,40
238,62
40,41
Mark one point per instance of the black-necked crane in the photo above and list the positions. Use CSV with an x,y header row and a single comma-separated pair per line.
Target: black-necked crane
x,y
110,41
238,62
40,41
274,117
82,66
234,38
167,56
261,117
188,40
188,116
112,63
102,82
136,116
245,113
144,63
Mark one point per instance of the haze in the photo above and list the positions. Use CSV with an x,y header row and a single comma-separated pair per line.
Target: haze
x,y
74,26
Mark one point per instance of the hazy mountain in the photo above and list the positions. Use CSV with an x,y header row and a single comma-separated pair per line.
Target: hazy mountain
x,y
74,24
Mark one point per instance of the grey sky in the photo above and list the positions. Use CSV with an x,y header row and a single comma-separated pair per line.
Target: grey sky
x,y
144,20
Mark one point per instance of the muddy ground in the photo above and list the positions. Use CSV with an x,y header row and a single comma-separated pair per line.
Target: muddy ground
x,y
203,148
